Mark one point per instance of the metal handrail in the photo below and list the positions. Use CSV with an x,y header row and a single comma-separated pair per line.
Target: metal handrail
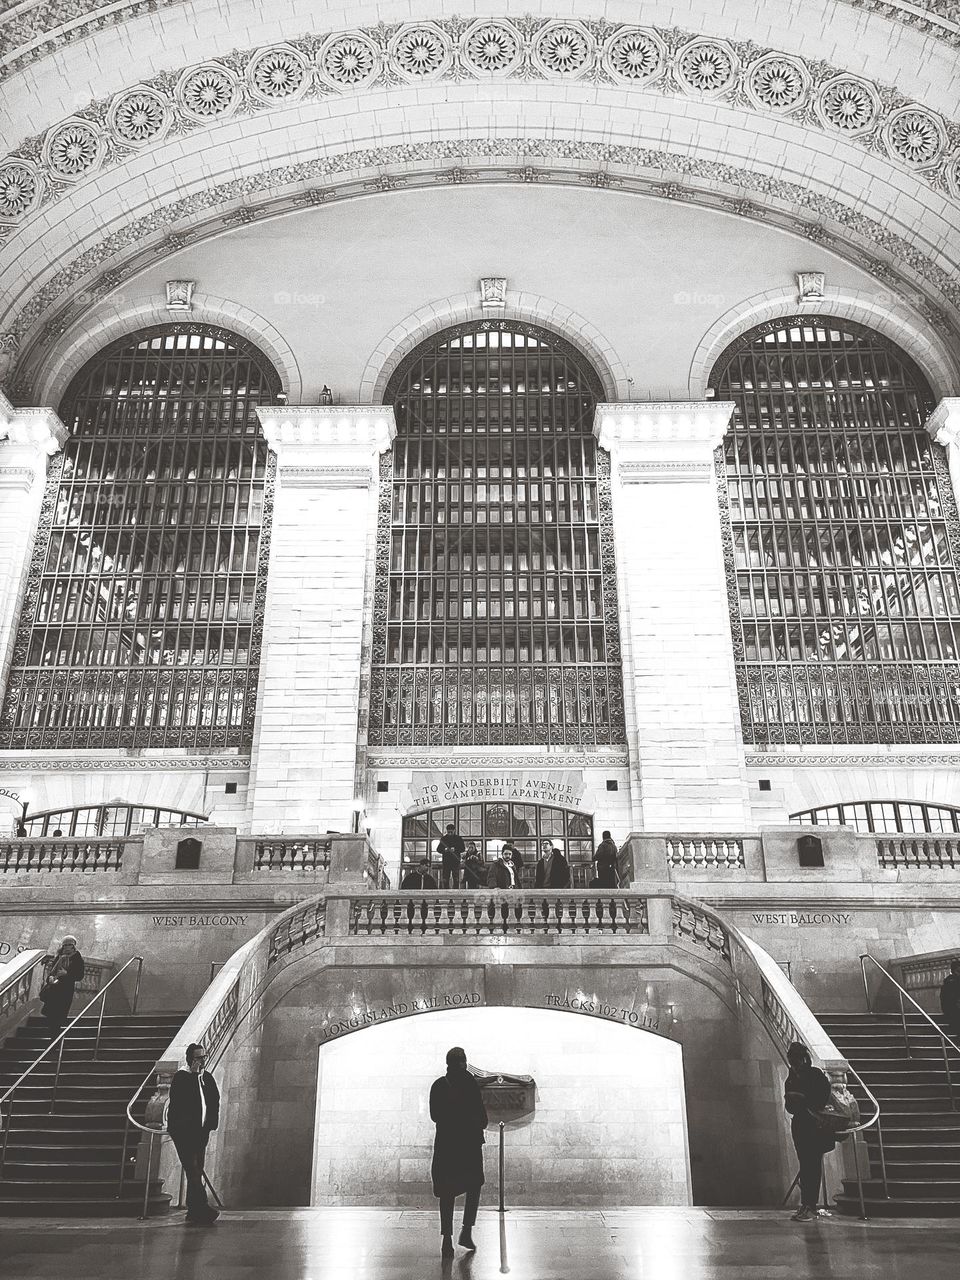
x,y
944,1038
60,1041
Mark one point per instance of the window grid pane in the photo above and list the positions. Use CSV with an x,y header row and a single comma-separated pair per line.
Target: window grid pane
x,y
496,611
885,817
844,541
140,627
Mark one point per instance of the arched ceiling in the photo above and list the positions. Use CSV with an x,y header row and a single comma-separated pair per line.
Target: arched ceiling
x,y
166,123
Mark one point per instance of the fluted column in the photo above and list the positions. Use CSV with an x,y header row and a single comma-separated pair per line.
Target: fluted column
x,y
944,426
305,741
28,439
683,713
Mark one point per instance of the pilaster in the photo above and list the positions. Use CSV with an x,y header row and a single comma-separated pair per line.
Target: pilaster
x,y
685,741
944,427
28,439
305,740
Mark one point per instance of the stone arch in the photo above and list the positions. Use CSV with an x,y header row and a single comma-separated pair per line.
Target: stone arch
x,y
529,308
72,353
883,311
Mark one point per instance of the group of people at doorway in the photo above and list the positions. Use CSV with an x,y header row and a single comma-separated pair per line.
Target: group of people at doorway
x,y
461,866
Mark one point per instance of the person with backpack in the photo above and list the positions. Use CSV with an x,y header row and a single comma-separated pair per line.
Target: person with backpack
x,y
806,1092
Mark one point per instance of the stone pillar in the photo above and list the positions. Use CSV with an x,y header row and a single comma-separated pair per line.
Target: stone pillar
x,y
28,437
944,426
305,739
684,734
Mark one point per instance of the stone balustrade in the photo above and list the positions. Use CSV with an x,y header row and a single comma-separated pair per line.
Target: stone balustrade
x,y
466,912
924,852
705,851
20,856
290,853
296,930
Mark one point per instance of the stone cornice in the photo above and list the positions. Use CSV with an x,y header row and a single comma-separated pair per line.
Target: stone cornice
x,y
817,759
687,422
39,428
944,423
289,430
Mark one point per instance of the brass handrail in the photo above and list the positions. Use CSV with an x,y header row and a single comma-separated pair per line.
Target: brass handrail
x,y
944,1038
60,1041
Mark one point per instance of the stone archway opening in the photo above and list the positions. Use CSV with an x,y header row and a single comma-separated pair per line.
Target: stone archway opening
x,y
610,1125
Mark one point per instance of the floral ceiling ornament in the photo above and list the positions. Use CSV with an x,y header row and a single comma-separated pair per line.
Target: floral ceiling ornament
x,y
638,56
73,149
138,116
421,51
491,48
848,104
915,136
208,92
778,83
563,48
278,74
19,190
707,66
348,61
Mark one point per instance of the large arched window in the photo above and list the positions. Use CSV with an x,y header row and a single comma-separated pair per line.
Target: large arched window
x,y
142,619
496,610
844,592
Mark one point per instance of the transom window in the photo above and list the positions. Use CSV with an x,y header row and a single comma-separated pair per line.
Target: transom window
x,y
117,819
845,599
489,823
496,612
142,620
884,816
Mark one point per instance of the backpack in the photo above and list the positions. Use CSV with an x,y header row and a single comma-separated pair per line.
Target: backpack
x,y
839,1115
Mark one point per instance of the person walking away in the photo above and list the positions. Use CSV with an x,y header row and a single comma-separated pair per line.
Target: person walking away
x,y
950,999
805,1091
501,874
456,1108
553,870
474,872
450,848
63,971
419,877
193,1113
606,860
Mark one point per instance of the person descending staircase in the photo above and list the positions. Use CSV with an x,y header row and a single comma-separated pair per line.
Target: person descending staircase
x,y
921,1130
65,1162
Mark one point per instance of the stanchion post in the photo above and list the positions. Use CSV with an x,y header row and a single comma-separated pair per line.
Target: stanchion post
x,y
502,1209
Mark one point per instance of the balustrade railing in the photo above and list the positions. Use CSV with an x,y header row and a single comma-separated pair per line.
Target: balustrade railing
x,y
721,852
934,852
20,982
291,853
924,972
297,930
22,855
692,922
509,912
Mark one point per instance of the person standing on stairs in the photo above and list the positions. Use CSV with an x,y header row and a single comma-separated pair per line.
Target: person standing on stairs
x,y
805,1091
456,1108
950,999
62,973
192,1115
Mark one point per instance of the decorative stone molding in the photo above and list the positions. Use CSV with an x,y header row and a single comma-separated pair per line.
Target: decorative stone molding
x,y
327,446
851,760
180,295
854,234
701,66
810,285
29,763
557,758
493,293
944,423
38,429
700,422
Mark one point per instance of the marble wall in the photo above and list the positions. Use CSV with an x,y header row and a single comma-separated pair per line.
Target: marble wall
x,y
609,1126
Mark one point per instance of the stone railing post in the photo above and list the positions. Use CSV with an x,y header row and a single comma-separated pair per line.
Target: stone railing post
x,y
683,717
305,739
944,427
28,439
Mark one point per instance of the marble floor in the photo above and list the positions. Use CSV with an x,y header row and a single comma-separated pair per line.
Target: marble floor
x,y
527,1244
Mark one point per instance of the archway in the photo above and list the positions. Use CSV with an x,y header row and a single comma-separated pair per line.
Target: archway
x,y
609,1127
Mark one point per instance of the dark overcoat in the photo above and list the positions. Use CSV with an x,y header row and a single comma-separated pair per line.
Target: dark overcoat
x,y
60,985
806,1090
456,1108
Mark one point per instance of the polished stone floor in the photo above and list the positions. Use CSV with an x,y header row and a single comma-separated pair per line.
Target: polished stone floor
x,y
529,1244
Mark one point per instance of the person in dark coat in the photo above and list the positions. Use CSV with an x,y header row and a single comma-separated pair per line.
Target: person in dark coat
x,y
419,877
950,998
500,874
451,849
192,1115
456,1108
63,971
805,1091
516,859
553,870
474,872
606,860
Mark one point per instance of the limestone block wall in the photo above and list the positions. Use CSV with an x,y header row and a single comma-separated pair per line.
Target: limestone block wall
x,y
609,1126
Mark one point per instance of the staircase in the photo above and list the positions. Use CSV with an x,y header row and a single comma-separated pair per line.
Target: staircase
x,y
67,1163
921,1134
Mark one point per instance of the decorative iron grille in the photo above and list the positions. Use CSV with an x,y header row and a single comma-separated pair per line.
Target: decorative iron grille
x,y
495,606
842,540
143,614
